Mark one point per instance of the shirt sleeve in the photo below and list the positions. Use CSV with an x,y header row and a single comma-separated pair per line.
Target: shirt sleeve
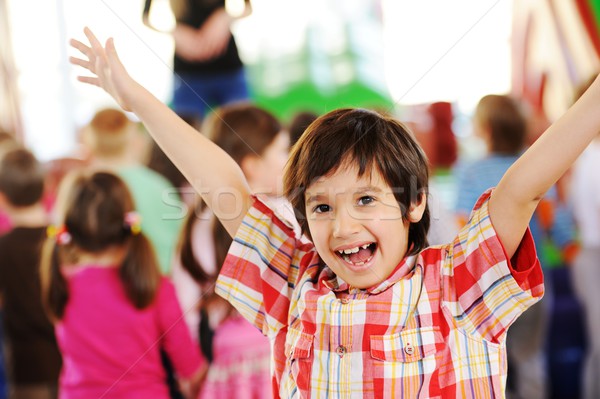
x,y
483,289
177,341
262,268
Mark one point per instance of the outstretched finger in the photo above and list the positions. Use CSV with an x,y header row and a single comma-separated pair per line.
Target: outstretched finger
x,y
94,42
82,63
84,49
89,80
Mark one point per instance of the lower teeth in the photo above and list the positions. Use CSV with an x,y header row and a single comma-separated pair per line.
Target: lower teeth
x,y
347,259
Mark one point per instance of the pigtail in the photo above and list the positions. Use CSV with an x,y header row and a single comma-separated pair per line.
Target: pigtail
x,y
55,293
139,271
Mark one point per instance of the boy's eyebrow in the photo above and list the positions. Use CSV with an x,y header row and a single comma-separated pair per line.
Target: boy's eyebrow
x,y
368,189
315,198
321,197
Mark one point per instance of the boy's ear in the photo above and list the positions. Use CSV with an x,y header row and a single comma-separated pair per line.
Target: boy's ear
x,y
415,213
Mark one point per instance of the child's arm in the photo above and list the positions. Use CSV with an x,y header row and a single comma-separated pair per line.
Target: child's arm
x,y
523,185
210,170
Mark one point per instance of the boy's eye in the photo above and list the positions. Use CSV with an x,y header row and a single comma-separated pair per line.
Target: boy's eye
x,y
322,208
366,200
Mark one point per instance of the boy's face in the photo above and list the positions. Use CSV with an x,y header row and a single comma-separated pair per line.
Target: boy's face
x,y
357,226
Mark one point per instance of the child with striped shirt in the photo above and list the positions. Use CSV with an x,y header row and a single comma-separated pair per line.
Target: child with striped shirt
x,y
360,306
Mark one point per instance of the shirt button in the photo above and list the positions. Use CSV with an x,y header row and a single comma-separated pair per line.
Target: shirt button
x,y
345,301
409,349
341,350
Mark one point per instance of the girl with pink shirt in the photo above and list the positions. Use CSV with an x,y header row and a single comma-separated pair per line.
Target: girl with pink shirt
x,y
237,351
113,311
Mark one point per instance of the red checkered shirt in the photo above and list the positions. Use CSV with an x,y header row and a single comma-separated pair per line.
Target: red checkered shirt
x,y
435,328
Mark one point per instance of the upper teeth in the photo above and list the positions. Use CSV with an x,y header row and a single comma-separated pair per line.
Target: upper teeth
x,y
353,250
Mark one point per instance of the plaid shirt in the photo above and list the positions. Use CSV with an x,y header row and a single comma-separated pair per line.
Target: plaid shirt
x,y
436,327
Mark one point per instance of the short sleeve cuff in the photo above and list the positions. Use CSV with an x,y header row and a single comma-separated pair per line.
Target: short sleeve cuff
x,y
525,266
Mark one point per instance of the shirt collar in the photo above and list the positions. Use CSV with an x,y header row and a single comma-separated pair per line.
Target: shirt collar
x,y
335,283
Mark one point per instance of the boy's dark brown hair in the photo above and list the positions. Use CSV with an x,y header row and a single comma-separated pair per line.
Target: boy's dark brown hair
x,y
370,141
504,118
21,178
95,207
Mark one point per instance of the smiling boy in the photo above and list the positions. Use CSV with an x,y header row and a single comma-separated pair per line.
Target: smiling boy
x,y
396,319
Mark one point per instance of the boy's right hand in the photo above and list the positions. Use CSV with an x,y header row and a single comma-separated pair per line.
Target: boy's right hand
x,y
104,63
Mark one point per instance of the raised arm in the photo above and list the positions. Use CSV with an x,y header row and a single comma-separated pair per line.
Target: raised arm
x,y
524,184
210,170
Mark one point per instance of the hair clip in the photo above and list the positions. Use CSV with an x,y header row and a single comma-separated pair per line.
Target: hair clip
x,y
133,221
59,233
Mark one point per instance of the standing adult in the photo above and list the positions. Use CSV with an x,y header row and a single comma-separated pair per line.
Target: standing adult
x,y
208,71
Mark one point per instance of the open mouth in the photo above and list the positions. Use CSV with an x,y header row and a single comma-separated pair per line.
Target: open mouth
x,y
358,256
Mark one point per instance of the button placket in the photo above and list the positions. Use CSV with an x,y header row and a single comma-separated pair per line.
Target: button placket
x,y
409,349
341,350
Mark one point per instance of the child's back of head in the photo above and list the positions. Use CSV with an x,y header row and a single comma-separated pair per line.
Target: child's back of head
x,y
255,139
96,215
502,122
242,129
21,178
108,133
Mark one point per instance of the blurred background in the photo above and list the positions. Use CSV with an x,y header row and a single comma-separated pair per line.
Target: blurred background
x,y
310,55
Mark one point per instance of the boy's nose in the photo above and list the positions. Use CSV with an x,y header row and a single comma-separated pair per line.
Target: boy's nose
x,y
345,224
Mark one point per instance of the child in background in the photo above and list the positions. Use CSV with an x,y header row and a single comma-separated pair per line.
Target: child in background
x,y
501,122
238,352
366,309
111,138
113,310
33,359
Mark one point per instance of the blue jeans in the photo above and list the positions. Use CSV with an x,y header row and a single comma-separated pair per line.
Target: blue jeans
x,y
195,95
